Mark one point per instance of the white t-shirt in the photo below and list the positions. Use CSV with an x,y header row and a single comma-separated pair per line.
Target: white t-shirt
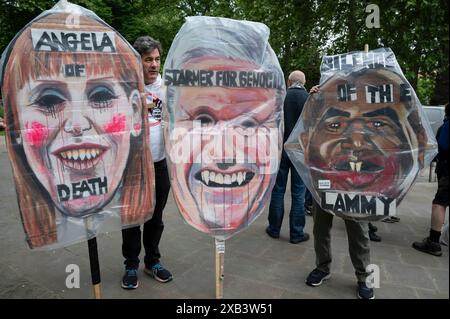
x,y
155,95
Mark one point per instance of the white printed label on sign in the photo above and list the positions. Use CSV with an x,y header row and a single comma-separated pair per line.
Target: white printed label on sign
x,y
324,184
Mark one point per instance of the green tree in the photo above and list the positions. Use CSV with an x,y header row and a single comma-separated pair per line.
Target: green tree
x,y
15,14
302,31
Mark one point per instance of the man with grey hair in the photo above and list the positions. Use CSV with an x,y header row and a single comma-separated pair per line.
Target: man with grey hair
x,y
293,105
297,77
150,51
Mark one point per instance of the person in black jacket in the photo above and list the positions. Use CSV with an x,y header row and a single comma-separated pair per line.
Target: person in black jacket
x,y
431,244
293,105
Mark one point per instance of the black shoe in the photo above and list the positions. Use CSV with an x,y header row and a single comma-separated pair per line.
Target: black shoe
x,y
365,292
429,247
130,279
373,236
304,238
391,219
268,232
158,272
373,228
317,277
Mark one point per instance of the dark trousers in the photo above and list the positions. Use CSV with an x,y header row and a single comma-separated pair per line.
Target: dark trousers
x,y
358,242
153,228
276,207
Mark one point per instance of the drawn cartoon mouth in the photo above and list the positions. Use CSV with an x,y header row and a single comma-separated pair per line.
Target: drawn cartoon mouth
x,y
80,157
217,179
359,172
359,167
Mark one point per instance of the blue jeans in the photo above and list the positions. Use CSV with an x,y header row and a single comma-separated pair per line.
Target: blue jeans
x,y
308,199
276,208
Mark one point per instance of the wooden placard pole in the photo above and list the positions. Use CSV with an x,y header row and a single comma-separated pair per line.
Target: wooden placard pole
x,y
220,254
95,267
93,257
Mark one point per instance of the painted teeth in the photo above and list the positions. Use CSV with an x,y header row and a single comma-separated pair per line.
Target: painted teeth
x,y
81,154
352,166
205,177
356,166
224,179
240,179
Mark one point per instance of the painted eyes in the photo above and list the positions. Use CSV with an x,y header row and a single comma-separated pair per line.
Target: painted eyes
x,y
101,97
375,124
334,126
206,120
50,101
249,123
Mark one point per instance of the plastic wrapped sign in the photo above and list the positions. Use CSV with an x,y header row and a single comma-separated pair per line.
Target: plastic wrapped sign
x,y
76,134
361,141
223,128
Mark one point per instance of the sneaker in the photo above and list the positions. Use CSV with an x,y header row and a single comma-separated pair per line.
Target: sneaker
x,y
373,236
317,277
296,241
365,292
427,246
158,272
130,279
268,232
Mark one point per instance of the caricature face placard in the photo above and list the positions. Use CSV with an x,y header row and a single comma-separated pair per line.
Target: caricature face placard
x,y
361,141
75,128
223,128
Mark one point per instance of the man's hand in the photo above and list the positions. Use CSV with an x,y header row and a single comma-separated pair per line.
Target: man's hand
x,y
314,89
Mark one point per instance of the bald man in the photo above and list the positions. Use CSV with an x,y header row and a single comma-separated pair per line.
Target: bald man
x,y
296,96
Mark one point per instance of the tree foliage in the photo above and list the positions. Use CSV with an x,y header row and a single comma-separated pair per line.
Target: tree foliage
x,y
301,30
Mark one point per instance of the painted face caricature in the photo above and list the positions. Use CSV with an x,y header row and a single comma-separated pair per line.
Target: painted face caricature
x,y
363,141
224,132
75,125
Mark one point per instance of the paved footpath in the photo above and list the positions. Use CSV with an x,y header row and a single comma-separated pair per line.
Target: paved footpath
x,y
256,266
